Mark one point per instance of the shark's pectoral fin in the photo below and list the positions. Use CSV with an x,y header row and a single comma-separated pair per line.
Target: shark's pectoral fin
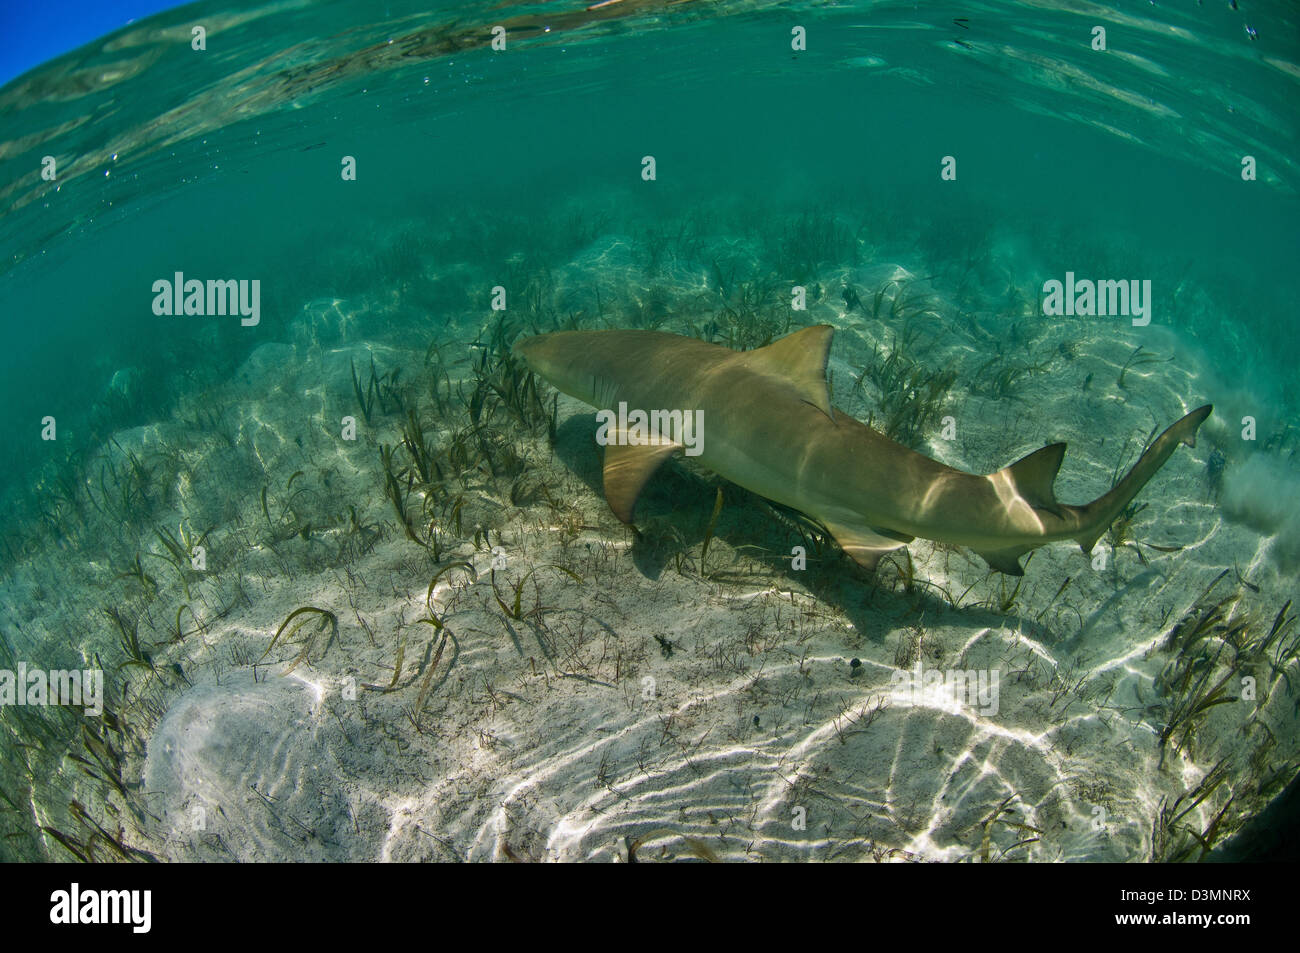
x,y
799,359
1005,560
628,469
1034,475
865,546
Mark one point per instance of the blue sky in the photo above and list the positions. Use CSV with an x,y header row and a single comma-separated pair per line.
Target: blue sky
x,y
33,31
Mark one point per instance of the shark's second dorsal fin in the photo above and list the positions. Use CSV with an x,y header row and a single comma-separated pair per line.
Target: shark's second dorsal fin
x,y
800,360
628,469
1034,475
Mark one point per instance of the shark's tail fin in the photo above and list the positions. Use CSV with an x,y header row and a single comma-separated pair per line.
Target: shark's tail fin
x,y
1101,512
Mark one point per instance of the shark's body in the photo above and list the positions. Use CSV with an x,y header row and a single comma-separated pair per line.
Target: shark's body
x,y
768,426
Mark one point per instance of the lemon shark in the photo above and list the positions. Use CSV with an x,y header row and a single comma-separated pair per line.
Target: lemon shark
x,y
768,425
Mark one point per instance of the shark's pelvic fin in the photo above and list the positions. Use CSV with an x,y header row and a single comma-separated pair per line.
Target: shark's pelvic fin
x,y
627,470
1034,475
865,546
800,360
1006,560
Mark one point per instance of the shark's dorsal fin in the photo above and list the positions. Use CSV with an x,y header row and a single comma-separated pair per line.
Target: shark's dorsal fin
x,y
628,469
800,360
1034,475
865,546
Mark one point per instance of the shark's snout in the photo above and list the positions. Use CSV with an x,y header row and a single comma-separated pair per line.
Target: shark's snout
x,y
567,360
528,349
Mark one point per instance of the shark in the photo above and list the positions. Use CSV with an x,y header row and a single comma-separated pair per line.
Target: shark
x,y
769,426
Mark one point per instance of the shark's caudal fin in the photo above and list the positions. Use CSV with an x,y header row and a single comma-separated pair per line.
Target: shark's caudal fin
x,y
1034,475
1101,512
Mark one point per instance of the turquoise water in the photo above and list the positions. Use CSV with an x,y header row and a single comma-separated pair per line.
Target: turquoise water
x,y
1134,153
523,168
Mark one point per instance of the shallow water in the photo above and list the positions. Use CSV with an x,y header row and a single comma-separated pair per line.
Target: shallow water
x,y
650,696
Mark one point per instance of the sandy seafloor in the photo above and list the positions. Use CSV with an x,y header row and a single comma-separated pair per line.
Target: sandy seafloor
x,y
679,710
